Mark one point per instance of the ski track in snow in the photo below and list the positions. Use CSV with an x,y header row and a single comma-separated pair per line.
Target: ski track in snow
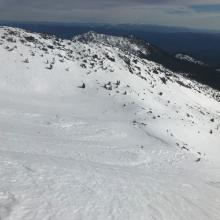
x,y
95,154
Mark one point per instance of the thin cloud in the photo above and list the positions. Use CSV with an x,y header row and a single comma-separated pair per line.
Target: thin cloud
x,y
206,8
162,12
93,4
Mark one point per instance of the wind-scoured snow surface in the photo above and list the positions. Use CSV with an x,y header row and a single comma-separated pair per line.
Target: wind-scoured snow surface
x,y
137,141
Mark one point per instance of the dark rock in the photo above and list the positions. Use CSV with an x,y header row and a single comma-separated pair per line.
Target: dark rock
x,y
83,86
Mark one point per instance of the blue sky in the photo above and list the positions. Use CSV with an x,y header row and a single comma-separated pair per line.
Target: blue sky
x,y
203,14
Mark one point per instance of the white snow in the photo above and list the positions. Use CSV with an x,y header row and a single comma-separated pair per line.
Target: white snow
x,y
141,150
189,59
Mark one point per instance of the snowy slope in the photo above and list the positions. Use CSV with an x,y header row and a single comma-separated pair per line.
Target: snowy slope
x,y
138,142
190,59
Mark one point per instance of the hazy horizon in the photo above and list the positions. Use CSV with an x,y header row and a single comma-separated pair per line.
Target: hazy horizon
x,y
156,27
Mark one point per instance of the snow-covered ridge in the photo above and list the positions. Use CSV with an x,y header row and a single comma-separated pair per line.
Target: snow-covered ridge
x,y
190,59
126,44
93,51
90,130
